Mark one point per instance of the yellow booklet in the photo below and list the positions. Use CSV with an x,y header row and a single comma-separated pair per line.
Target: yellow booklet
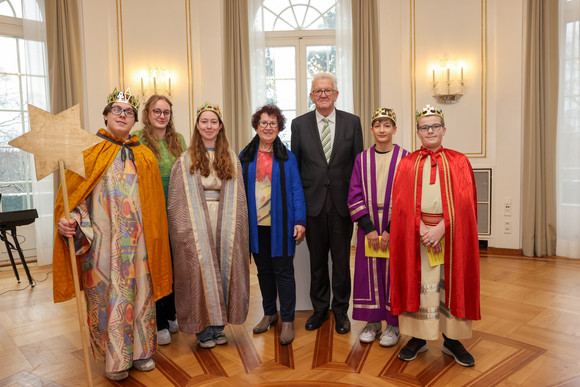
x,y
437,259
370,252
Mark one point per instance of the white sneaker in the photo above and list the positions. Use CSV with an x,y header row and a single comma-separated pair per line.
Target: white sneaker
x,y
390,336
370,332
173,326
144,364
163,337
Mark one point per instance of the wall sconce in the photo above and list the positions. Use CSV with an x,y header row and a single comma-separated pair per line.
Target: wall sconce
x,y
158,81
448,82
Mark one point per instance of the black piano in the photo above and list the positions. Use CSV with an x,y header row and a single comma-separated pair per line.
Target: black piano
x,y
8,223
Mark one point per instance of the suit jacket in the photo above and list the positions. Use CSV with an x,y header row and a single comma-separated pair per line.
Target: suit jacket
x,y
317,175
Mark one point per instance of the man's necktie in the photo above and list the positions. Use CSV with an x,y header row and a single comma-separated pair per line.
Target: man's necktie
x,y
326,139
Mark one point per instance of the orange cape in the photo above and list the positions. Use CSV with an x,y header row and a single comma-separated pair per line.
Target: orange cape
x,y
97,160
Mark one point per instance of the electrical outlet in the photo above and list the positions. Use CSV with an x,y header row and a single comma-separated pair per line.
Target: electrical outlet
x,y
507,226
507,206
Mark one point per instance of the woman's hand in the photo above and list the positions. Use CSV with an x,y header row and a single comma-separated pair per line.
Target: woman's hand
x,y
373,238
67,228
385,240
299,231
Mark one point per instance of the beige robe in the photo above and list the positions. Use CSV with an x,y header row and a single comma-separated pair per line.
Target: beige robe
x,y
208,225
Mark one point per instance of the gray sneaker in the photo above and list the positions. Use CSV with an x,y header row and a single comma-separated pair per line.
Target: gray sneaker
x,y
370,332
173,326
163,337
390,336
144,364
207,343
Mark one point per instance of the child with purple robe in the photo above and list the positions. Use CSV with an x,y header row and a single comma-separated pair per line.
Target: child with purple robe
x,y
369,203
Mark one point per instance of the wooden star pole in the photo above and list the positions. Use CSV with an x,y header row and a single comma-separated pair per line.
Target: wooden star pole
x,y
58,142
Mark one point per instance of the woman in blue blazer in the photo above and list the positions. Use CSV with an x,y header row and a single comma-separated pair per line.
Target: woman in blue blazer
x,y
277,215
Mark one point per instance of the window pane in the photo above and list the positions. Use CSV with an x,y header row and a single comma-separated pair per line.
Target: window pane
x,y
36,54
11,8
10,128
287,15
287,133
36,92
9,92
9,57
15,163
281,76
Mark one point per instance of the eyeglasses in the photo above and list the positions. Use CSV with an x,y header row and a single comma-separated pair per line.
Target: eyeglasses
x,y
128,112
158,113
271,124
435,127
318,93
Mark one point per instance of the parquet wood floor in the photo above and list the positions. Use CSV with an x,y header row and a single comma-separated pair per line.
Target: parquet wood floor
x,y
529,336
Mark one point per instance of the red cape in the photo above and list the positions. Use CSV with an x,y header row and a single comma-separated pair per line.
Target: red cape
x,y
459,198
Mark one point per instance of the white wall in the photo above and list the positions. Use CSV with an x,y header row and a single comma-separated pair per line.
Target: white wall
x,y
183,37
487,123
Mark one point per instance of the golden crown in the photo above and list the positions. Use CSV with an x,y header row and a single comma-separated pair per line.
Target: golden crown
x,y
385,113
428,110
210,107
126,97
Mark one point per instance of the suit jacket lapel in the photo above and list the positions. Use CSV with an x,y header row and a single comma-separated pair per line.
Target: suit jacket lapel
x,y
313,128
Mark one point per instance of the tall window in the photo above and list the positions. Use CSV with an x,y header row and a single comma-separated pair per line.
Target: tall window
x,y
568,181
300,38
23,80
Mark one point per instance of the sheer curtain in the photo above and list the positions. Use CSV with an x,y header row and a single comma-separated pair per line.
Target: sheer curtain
x,y
344,55
568,167
34,28
257,44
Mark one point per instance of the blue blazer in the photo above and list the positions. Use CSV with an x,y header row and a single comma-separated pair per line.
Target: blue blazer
x,y
295,205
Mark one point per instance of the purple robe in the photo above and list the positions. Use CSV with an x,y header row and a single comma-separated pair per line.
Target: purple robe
x,y
371,290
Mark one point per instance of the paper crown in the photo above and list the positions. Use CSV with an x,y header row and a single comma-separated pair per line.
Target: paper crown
x,y
385,113
210,107
428,110
126,97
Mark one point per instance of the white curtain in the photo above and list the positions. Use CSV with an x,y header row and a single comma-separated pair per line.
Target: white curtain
x,y
37,94
568,169
257,54
344,55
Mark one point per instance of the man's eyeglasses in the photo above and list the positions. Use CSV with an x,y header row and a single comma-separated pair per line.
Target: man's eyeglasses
x,y
128,112
158,113
435,127
318,93
271,124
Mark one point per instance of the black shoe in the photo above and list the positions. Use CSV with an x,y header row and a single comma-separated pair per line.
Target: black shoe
x,y
457,350
412,348
342,323
315,321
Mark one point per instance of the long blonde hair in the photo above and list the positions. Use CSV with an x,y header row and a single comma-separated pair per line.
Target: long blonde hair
x,y
150,140
222,162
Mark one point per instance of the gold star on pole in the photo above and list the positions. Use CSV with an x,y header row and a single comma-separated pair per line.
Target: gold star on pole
x,y
53,138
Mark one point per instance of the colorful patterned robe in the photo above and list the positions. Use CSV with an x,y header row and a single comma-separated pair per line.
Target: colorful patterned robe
x,y
114,259
371,289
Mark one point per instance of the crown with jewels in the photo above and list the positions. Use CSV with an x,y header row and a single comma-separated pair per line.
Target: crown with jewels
x,y
126,97
210,107
385,113
428,110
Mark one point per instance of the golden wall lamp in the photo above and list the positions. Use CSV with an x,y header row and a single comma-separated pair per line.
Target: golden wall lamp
x,y
448,81
157,80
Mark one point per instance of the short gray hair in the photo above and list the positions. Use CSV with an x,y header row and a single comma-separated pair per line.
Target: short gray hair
x,y
324,75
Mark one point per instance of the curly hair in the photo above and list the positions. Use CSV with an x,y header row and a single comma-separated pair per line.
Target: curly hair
x,y
222,163
173,143
271,110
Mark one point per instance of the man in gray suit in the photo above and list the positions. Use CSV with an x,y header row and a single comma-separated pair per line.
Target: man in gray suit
x,y
325,143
